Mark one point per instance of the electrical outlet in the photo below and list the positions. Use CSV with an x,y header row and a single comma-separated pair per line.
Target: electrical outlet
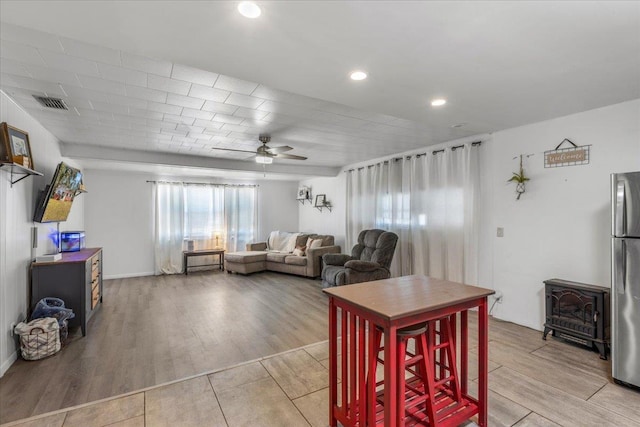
x,y
500,232
13,327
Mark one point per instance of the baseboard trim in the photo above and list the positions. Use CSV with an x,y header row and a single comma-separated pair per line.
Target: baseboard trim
x,y
7,363
127,275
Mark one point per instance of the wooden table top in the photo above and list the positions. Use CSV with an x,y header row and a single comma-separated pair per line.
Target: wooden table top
x,y
405,296
78,256
204,252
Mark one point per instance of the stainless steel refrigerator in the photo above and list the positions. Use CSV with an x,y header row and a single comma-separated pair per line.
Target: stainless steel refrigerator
x,y
625,281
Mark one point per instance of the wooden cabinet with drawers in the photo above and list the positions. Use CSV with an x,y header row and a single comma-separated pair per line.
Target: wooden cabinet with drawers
x,y
76,279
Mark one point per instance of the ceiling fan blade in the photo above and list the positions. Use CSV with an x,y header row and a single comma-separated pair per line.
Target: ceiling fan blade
x,y
231,149
281,149
289,156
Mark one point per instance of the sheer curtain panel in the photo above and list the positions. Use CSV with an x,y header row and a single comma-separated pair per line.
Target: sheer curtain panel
x,y
169,227
431,202
240,216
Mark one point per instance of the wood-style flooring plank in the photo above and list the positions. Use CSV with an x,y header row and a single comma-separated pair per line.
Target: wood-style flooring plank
x,y
579,384
502,411
535,420
574,356
621,400
157,329
554,404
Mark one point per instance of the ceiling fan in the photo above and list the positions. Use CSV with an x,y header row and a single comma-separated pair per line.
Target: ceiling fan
x,y
266,154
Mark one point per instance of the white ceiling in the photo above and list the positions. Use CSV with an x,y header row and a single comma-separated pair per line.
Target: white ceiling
x,y
219,79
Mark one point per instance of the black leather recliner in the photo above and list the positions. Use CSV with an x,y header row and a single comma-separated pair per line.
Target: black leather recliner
x,y
370,259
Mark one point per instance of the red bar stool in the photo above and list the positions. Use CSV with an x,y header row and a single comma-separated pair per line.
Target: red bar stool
x,y
426,394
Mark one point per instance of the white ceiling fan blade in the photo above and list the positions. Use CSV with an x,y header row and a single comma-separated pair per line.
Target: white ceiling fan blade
x,y
281,149
231,149
289,156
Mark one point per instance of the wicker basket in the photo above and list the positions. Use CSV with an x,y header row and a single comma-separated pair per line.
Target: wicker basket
x,y
39,338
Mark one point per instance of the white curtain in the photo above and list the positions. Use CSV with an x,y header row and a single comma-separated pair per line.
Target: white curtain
x,y
240,209
430,201
169,227
210,215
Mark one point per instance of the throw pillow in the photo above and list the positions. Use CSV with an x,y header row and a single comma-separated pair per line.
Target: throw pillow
x,y
299,250
314,243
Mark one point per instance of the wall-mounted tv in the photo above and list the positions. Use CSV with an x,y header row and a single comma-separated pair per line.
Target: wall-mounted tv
x,y
56,200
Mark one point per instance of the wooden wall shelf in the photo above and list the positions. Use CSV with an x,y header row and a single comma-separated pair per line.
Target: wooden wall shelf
x,y
19,171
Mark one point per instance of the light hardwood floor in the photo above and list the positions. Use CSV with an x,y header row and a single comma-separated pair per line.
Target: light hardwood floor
x,y
151,330
532,382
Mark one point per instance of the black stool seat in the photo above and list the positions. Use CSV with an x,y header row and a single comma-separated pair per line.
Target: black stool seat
x,y
410,330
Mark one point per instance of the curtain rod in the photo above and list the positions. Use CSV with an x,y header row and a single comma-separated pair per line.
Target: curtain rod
x,y
203,183
453,148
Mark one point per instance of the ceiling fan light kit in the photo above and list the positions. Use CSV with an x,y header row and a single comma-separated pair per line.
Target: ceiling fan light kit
x,y
265,154
264,160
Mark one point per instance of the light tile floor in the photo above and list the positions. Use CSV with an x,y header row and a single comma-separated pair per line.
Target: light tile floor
x,y
532,383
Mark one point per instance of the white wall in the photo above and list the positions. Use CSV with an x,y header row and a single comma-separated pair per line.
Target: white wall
x,y
119,216
324,222
561,226
17,205
277,207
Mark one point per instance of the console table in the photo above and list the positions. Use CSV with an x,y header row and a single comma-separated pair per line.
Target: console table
x,y
76,279
203,252
357,310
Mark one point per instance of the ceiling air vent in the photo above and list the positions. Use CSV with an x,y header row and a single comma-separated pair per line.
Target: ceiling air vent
x,y
55,103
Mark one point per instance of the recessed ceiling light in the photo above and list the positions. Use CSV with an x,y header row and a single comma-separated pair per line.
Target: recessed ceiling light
x,y
458,125
358,75
249,9
438,102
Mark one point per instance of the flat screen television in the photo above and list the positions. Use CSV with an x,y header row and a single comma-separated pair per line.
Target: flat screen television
x,y
55,202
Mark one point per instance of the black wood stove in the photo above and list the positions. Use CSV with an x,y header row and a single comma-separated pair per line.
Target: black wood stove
x,y
579,313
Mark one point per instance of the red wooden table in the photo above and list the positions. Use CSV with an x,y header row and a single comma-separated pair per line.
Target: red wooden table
x,y
391,304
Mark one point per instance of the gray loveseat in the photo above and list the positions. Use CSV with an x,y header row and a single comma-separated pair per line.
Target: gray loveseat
x,y
258,258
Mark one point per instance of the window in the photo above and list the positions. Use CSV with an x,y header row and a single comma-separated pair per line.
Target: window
x,y
203,211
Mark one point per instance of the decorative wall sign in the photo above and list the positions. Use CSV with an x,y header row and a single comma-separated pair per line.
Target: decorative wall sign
x,y
571,156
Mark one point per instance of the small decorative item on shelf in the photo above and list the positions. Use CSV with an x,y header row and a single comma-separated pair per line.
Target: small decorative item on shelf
x,y
304,194
520,179
321,202
15,147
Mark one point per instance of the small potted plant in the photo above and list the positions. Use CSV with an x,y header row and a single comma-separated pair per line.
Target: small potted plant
x,y
520,179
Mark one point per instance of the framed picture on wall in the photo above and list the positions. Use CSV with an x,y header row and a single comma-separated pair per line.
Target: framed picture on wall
x,y
303,193
15,147
321,200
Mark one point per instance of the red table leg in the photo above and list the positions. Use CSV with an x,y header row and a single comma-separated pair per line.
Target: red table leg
x,y
390,376
362,372
483,362
333,362
464,351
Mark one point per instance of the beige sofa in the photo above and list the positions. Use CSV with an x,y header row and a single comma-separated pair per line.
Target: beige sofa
x,y
258,258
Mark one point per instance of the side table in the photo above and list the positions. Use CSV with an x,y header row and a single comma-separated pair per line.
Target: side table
x,y
202,252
